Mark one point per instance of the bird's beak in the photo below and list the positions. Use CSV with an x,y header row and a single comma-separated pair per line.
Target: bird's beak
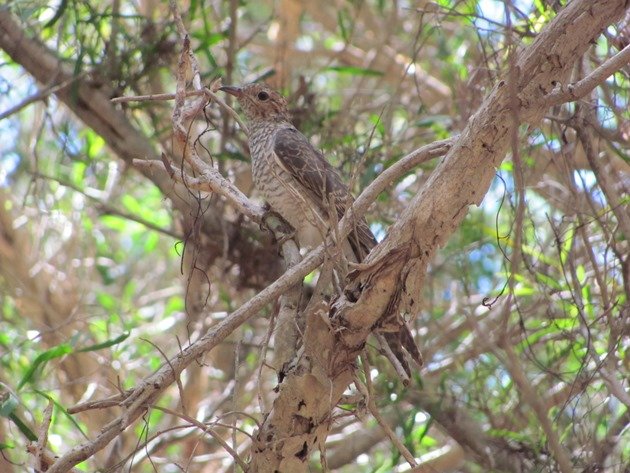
x,y
232,90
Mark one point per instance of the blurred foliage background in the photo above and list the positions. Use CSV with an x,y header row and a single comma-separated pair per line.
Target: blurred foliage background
x,y
106,271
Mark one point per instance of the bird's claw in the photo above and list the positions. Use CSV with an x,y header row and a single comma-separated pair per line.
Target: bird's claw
x,y
286,237
280,228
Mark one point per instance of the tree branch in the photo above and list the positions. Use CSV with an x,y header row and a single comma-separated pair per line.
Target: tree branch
x,y
584,86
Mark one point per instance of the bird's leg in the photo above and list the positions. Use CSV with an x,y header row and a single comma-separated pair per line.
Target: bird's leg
x,y
279,227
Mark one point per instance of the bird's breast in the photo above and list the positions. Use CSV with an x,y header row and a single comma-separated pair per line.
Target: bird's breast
x,y
284,193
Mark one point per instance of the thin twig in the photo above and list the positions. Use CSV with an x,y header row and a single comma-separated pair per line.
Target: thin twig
x,y
377,415
107,209
178,381
211,432
512,83
155,97
582,87
389,354
227,108
112,401
183,33
42,438
40,95
211,182
532,398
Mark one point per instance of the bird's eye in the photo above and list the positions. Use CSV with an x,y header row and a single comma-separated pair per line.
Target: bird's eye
x,y
263,96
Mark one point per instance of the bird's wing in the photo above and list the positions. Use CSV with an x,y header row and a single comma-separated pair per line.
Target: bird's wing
x,y
321,181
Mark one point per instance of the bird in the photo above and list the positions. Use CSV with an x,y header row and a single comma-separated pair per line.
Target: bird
x,y
293,176
299,184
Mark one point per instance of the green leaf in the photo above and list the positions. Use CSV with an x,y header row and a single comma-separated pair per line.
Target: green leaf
x,y
441,120
537,335
77,172
422,431
151,241
132,204
506,165
548,281
581,274
114,222
566,246
524,290
355,71
94,144
503,433
343,21
107,301
174,304
28,433
589,307
42,359
209,40
565,323
378,125
106,344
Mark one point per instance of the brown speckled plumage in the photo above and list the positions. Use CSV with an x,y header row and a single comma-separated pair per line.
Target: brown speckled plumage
x,y
295,178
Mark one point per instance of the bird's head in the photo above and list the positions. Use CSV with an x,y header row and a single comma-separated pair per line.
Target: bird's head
x,y
259,101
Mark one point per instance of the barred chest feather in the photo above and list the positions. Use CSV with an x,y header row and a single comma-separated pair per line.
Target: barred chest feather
x,y
280,189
